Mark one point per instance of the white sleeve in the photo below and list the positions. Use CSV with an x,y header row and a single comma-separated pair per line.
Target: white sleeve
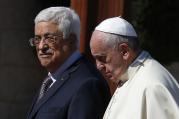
x,y
160,103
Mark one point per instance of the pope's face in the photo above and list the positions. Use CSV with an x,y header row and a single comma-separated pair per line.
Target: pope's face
x,y
109,61
51,55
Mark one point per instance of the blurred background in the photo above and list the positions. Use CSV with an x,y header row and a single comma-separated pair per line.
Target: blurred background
x,y
156,21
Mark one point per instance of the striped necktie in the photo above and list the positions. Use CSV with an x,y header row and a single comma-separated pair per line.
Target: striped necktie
x,y
44,87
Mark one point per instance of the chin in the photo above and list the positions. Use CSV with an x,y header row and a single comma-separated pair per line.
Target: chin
x,y
109,78
45,63
112,79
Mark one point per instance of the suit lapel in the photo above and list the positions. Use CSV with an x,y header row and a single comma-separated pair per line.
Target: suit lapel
x,y
32,106
61,81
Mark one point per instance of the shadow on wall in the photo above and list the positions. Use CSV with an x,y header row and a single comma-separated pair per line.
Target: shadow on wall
x,y
20,71
174,69
157,23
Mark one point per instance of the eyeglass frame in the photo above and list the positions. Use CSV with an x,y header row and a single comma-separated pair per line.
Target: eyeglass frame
x,y
46,38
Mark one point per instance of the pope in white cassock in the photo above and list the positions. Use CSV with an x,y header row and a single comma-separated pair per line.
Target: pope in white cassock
x,y
146,90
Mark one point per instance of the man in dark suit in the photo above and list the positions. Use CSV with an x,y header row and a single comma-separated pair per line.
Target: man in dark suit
x,y
73,88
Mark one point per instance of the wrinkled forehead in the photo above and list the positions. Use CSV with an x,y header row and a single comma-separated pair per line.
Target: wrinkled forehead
x,y
46,27
97,44
97,37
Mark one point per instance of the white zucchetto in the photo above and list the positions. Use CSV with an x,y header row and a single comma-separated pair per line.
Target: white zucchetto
x,y
117,25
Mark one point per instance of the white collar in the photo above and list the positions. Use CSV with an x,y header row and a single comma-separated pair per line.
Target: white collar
x,y
134,67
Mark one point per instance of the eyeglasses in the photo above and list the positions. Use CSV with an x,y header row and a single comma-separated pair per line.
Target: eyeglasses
x,y
47,38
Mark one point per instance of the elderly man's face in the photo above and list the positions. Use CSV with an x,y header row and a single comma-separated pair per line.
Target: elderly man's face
x,y
109,61
51,49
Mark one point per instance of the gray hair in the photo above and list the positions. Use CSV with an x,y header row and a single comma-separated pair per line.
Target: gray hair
x,y
112,40
68,21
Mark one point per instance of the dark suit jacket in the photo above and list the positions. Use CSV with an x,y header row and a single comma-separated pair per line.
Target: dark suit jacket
x,y
80,93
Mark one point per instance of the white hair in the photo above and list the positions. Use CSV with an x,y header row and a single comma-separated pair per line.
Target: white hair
x,y
112,40
68,21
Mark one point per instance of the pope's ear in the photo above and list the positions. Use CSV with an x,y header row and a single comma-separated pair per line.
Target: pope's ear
x,y
124,49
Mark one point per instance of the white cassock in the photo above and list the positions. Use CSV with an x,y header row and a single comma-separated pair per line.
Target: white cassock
x,y
150,92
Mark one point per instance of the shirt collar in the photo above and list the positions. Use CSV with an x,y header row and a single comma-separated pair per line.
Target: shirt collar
x,y
134,67
50,75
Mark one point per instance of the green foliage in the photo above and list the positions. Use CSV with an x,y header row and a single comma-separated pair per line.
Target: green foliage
x,y
157,23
